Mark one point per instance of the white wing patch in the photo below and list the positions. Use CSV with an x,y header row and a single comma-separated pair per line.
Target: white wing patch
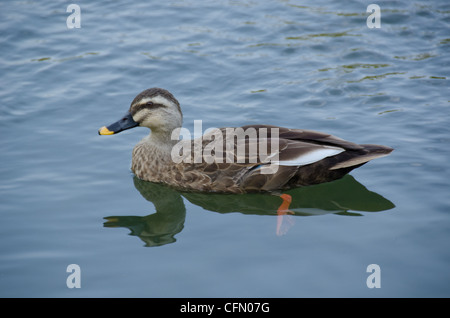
x,y
312,156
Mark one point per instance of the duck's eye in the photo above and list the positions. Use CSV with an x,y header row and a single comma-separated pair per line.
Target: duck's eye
x,y
150,104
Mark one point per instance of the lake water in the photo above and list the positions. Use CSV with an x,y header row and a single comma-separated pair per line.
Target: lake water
x,y
67,195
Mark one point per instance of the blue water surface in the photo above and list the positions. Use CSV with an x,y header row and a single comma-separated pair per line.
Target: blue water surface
x,y
67,195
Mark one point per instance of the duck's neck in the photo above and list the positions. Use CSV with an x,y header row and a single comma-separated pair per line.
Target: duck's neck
x,y
163,140
152,156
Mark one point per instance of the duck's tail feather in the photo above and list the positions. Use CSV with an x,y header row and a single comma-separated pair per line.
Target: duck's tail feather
x,y
371,152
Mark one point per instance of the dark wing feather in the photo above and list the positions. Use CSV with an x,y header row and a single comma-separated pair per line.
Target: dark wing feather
x,y
310,136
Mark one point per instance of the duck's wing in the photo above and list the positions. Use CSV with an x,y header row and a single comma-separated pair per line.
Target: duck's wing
x,y
306,157
302,149
298,147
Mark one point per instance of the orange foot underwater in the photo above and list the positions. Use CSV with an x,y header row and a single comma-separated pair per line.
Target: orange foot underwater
x,y
284,220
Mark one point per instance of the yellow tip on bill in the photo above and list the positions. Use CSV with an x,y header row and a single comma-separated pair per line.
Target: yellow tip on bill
x,y
105,131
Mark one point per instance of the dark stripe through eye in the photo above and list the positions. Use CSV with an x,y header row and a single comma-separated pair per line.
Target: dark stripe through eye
x,y
149,105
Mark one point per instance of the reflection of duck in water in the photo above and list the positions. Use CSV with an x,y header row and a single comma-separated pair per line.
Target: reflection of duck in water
x,y
271,158
160,228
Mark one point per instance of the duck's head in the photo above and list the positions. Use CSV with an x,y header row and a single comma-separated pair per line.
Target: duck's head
x,y
155,108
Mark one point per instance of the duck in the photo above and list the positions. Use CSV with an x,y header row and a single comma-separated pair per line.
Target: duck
x,y
287,157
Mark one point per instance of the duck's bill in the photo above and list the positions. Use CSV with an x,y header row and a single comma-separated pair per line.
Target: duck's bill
x,y
125,123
